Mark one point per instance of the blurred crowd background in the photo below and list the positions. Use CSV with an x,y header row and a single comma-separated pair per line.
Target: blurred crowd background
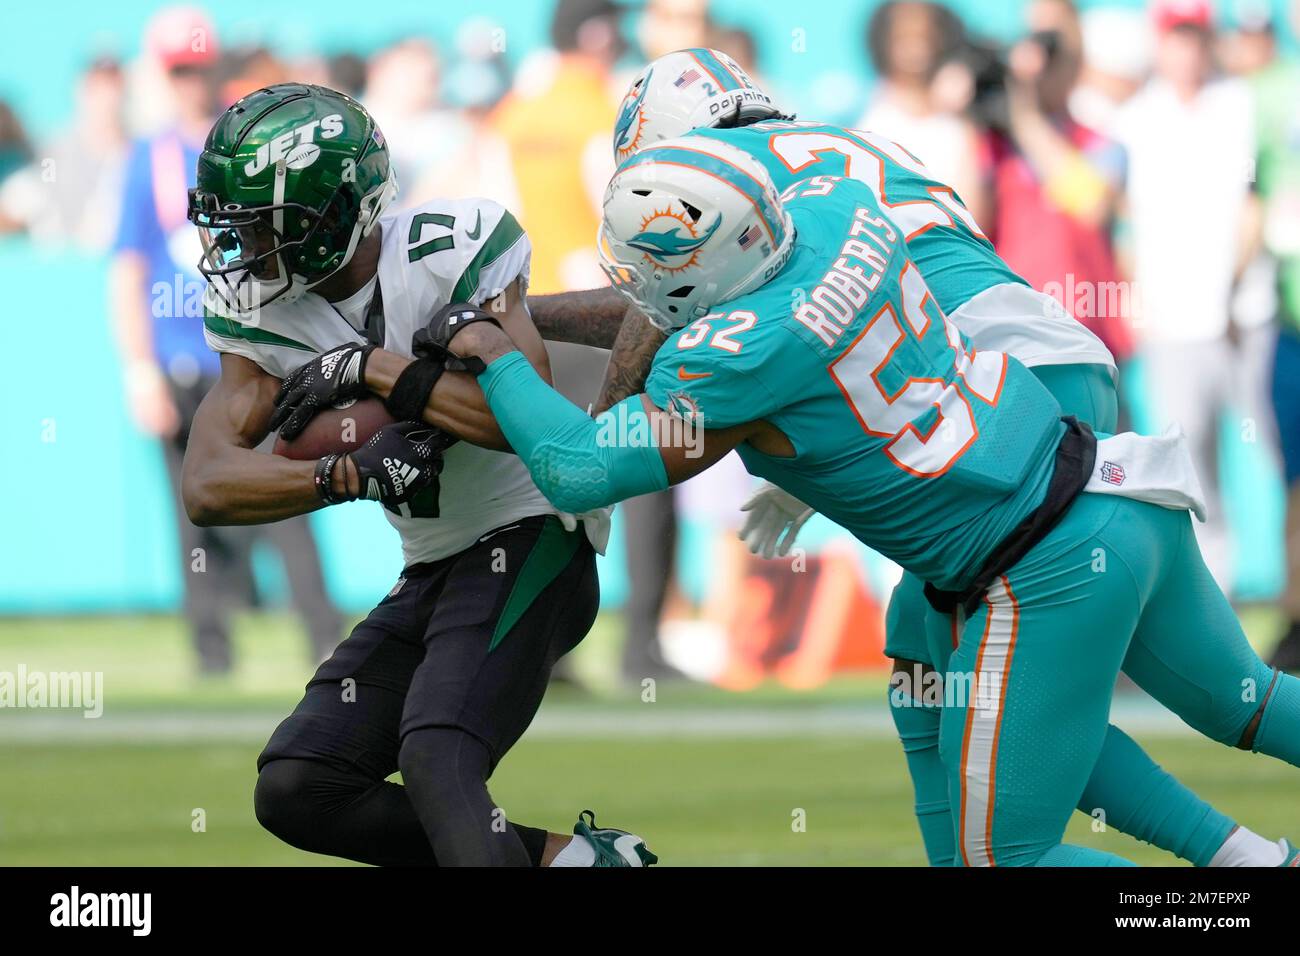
x,y
1140,161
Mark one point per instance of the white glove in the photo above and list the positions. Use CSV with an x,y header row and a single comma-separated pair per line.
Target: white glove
x,y
774,520
595,524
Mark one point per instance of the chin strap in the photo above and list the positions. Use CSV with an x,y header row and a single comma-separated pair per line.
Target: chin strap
x,y
376,202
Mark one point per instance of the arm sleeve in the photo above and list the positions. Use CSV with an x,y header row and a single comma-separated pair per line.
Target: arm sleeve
x,y
578,463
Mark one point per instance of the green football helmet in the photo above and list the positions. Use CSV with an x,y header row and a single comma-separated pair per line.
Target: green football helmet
x,y
290,180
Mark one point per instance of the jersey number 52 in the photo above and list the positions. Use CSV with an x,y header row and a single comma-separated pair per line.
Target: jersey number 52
x,y
892,414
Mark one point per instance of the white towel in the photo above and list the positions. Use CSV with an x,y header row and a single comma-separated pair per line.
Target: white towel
x,y
595,523
1155,469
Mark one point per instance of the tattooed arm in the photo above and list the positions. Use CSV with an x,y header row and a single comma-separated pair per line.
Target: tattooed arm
x,y
630,358
602,318
583,318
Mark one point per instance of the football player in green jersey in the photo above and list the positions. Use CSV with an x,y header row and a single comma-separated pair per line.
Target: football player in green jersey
x,y
314,281
803,336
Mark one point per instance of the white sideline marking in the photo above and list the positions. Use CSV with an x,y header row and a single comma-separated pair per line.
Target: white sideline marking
x,y
563,722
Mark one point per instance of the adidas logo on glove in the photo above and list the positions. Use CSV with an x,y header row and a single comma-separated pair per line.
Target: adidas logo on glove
x,y
400,474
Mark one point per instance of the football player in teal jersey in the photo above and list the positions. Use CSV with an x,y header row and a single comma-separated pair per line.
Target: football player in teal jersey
x,y
805,337
704,93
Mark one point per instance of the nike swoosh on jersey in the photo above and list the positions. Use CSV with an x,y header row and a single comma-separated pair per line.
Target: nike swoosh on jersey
x,y
478,224
686,376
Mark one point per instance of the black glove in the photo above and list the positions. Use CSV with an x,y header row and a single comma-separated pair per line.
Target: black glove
x,y
331,378
398,462
434,339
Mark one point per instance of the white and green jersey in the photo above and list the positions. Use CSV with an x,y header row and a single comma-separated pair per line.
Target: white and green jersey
x,y
462,250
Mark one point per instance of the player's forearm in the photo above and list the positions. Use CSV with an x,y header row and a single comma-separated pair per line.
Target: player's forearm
x,y
579,464
630,359
456,403
241,486
591,317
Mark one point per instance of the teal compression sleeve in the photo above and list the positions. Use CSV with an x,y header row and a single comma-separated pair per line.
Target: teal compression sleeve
x,y
577,462
918,730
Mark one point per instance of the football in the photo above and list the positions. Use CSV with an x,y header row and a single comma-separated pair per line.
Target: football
x,y
342,428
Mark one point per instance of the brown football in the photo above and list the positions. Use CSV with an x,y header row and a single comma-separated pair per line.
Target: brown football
x,y
339,429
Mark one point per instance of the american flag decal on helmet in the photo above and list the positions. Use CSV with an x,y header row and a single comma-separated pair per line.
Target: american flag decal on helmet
x,y
748,237
687,78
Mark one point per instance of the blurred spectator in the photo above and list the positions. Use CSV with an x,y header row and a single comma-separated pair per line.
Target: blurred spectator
x,y
70,193
908,42
480,77
556,124
247,69
154,296
475,162
1116,61
15,149
1055,183
346,72
1250,45
1246,51
669,25
739,45
1277,91
403,93
15,154
1190,148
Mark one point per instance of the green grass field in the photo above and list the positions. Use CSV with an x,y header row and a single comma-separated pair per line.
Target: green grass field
x,y
707,777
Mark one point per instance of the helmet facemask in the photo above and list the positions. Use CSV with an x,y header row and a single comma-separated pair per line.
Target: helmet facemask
x,y
255,255
291,179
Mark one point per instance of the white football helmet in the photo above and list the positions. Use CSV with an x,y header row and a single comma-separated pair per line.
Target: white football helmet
x,y
690,223
686,90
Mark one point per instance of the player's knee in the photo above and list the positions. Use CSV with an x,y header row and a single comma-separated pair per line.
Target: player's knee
x,y
441,765
1245,735
284,800
1234,718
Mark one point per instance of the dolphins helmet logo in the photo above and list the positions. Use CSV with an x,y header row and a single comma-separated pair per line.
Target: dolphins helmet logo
x,y
627,131
677,241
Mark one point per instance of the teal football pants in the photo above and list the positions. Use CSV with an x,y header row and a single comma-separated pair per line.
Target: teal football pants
x,y
1117,584
1086,391
1132,792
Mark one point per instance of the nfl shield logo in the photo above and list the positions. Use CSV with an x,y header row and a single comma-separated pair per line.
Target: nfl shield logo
x,y
1112,473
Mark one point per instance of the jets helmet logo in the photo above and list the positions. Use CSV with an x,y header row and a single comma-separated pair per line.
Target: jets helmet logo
x,y
297,147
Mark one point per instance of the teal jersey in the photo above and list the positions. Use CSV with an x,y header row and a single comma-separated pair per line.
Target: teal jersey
x,y
924,449
942,237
